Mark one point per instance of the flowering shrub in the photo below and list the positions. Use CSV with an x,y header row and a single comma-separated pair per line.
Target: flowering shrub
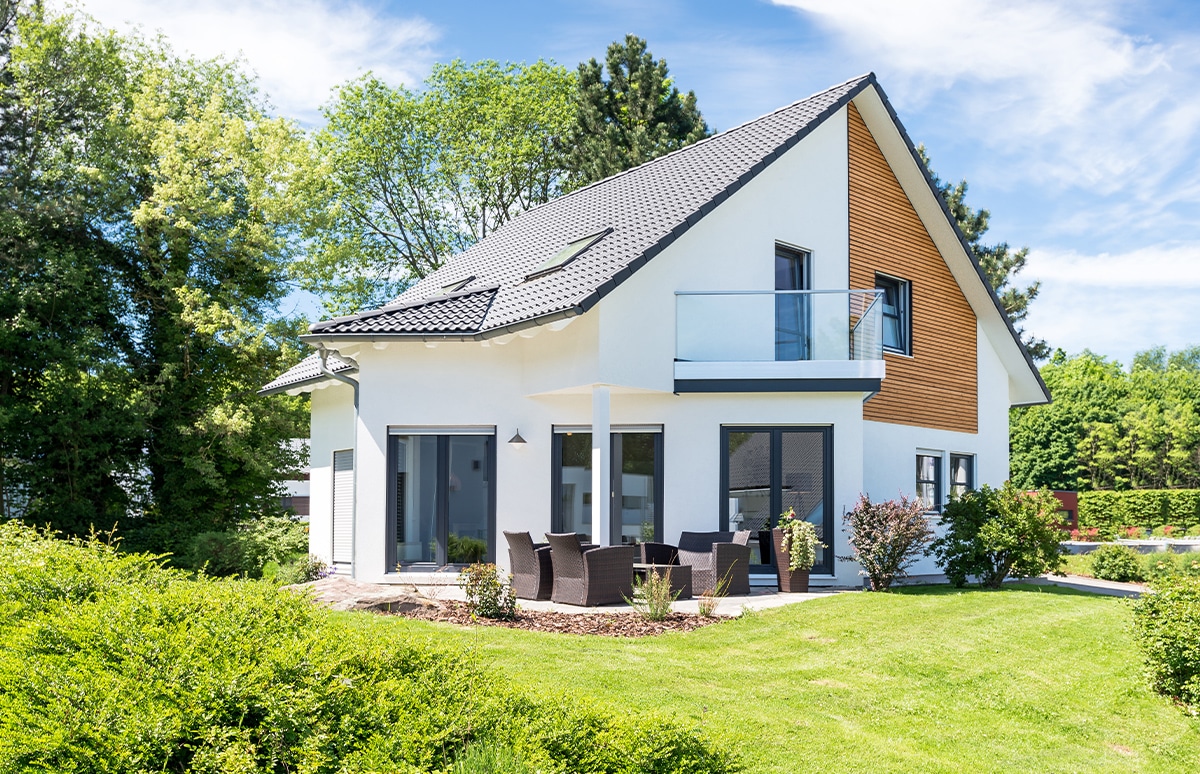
x,y
487,595
1134,533
1165,531
887,538
1116,563
653,596
1090,535
994,533
799,540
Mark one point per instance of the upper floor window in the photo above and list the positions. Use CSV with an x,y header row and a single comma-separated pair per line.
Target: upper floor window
x,y
929,480
792,313
897,317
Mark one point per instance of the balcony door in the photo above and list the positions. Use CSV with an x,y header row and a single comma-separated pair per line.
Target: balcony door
x,y
793,317
765,471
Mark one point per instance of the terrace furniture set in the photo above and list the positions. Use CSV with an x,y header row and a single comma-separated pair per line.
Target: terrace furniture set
x,y
569,571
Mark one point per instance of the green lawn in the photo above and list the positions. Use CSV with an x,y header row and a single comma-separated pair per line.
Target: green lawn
x,y
1029,679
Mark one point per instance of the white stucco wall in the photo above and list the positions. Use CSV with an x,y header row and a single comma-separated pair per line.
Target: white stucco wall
x,y
332,429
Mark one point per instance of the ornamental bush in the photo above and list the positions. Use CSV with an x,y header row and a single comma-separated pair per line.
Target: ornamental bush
x,y
488,596
993,534
249,547
887,538
1117,563
113,663
1166,627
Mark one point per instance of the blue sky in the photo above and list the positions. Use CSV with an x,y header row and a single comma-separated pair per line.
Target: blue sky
x,y
1075,121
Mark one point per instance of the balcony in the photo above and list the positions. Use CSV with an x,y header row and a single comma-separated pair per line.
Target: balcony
x,y
779,341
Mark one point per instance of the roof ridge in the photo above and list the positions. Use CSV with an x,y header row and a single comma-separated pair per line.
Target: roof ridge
x,y
866,76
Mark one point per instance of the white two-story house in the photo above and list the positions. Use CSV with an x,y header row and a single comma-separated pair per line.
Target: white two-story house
x,y
781,315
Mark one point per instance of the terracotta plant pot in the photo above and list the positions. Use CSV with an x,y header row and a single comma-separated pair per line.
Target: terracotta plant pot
x,y
790,581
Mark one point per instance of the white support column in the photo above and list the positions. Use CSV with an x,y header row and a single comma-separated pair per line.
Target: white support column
x,y
601,466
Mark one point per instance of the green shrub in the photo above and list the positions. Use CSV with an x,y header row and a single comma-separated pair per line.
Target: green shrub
x,y
111,663
1193,531
1166,627
1167,531
465,550
887,538
1160,566
247,549
306,569
487,595
996,533
1117,563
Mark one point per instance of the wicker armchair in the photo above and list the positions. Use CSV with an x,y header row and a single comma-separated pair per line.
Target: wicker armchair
x,y
711,555
531,569
597,576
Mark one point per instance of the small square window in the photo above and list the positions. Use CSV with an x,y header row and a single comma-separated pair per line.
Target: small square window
x,y
962,474
929,481
897,318
568,253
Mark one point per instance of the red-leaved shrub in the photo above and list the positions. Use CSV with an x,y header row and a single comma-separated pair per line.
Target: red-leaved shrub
x,y
887,538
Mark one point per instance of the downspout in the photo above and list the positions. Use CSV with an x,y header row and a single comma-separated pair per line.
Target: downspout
x,y
323,354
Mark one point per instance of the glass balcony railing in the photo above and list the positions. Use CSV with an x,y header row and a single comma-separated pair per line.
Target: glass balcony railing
x,y
778,325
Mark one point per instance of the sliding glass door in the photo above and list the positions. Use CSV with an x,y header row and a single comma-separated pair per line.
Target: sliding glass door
x,y
765,471
441,500
636,489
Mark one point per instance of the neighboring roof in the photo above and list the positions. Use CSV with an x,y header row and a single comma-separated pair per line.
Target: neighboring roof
x,y
306,371
460,312
646,208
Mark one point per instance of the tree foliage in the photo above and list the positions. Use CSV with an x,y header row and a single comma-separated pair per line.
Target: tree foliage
x,y
1000,262
403,180
636,115
147,225
1112,429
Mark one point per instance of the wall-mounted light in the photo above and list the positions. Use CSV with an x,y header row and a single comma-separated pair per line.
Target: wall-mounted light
x,y
516,441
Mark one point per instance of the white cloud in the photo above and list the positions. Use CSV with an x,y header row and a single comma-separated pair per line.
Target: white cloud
x,y
300,49
1058,92
1117,303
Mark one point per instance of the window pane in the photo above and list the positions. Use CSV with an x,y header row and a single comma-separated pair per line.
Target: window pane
x,y
415,494
803,470
576,466
469,499
891,330
749,472
961,474
928,476
636,463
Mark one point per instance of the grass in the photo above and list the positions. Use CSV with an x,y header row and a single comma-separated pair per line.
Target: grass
x,y
1078,564
925,680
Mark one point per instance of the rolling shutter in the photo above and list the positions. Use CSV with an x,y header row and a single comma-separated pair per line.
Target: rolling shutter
x,y
343,509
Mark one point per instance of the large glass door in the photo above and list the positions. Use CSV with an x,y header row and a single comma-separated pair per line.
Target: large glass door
x,y
767,470
441,500
636,489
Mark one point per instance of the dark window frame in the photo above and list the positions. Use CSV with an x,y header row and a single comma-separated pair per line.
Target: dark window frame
x,y
938,500
827,483
442,517
615,494
903,315
970,485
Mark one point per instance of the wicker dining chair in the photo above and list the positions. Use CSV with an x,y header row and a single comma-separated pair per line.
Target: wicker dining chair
x,y
532,572
597,576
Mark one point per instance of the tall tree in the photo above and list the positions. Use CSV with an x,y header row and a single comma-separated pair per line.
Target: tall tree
x,y
403,180
148,224
637,114
1000,262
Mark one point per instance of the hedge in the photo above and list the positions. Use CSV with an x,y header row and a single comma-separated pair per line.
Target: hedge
x,y
1148,508
112,663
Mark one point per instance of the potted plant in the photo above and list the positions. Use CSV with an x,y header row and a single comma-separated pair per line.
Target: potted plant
x,y
796,546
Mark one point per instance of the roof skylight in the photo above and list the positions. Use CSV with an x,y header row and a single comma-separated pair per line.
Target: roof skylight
x,y
570,252
457,285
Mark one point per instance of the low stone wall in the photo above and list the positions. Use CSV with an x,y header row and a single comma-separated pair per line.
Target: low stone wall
x,y
1160,545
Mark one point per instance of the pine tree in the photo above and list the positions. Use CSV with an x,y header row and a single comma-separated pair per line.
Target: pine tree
x,y
634,116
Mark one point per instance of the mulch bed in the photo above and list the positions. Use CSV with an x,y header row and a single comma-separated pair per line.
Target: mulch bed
x,y
607,624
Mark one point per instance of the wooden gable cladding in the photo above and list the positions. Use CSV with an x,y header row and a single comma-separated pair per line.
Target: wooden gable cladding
x,y
937,386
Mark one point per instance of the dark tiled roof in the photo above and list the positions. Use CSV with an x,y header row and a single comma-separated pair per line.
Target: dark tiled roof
x,y
307,370
461,313
646,208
